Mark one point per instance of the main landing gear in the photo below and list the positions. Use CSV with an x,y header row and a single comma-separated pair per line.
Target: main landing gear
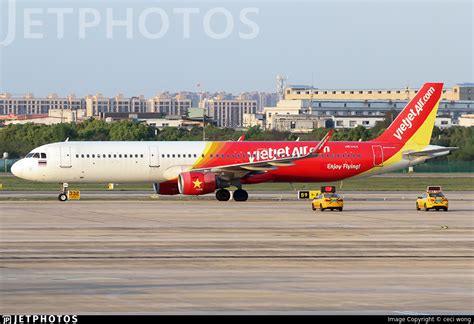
x,y
63,195
239,195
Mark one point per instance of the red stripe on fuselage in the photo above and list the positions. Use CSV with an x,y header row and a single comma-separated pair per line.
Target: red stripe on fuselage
x,y
340,159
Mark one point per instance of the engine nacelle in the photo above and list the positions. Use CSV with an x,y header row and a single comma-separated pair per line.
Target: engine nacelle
x,y
167,188
196,183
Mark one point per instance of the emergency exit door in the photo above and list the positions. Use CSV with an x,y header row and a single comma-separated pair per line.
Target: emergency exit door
x,y
65,156
154,156
378,155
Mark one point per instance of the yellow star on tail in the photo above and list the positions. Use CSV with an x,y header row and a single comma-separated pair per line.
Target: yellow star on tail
x,y
197,184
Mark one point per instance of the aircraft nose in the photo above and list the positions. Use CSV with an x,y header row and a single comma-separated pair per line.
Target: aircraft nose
x,y
17,169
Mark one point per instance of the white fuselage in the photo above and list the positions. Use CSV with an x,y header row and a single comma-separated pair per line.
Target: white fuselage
x,y
89,162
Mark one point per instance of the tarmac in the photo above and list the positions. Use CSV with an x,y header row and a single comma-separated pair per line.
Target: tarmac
x,y
261,256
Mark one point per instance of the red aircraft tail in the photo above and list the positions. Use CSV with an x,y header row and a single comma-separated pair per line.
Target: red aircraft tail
x,y
415,122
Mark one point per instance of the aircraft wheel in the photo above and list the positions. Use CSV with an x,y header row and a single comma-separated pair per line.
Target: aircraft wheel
x,y
223,195
62,197
240,195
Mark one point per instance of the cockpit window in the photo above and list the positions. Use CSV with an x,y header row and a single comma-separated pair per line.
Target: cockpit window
x,y
36,155
29,155
43,155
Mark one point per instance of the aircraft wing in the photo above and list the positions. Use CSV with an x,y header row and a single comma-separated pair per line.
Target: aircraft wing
x,y
241,169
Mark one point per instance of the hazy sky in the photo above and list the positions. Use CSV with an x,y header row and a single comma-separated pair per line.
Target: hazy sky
x,y
344,44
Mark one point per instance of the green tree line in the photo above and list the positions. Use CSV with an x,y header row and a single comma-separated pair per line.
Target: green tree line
x,y
18,140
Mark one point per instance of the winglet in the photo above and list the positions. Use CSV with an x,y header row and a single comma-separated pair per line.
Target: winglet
x,y
241,138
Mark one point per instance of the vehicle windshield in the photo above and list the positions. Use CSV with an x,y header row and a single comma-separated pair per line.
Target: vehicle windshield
x,y
436,195
331,195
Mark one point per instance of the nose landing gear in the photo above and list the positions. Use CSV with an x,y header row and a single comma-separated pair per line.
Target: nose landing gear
x,y
63,195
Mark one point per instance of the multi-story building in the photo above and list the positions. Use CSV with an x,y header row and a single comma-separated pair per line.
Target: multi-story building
x,y
169,105
29,105
462,91
97,104
229,112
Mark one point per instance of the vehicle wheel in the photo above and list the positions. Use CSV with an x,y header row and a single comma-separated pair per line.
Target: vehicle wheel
x,y
62,197
340,209
417,207
312,207
223,195
323,209
426,208
240,195
445,208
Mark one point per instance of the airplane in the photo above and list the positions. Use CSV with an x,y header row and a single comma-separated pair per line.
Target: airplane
x,y
198,168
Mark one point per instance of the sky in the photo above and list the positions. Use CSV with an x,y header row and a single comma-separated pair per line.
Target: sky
x,y
231,46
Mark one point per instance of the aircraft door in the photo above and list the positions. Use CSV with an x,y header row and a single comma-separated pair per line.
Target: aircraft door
x,y
378,155
65,156
154,156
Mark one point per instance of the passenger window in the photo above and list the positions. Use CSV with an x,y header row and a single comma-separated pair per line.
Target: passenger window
x,y
120,156
87,155
131,156
173,155
238,156
125,155
359,156
343,155
110,155
195,155
167,155
202,155
338,156
77,156
190,155
141,155
98,156
217,155
93,155
43,155
228,155
179,155
211,155
82,155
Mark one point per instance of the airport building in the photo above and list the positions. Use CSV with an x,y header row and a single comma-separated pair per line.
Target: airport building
x,y
29,105
462,91
351,113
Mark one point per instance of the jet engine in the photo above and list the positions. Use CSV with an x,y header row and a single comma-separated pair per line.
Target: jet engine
x,y
197,183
